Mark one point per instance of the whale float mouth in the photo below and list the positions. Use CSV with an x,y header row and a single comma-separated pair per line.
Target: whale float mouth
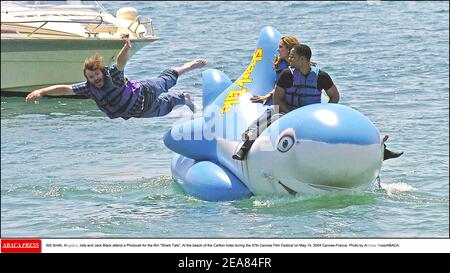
x,y
308,187
289,190
293,186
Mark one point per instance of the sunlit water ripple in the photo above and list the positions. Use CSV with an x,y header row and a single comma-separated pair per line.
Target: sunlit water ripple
x,y
68,171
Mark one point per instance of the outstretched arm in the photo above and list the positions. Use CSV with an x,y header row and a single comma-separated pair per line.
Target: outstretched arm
x,y
122,57
51,90
333,94
278,99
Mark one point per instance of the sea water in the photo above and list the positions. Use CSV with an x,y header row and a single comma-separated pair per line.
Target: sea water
x,y
69,171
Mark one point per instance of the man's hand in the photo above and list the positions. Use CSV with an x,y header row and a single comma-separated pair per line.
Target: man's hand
x,y
35,95
126,38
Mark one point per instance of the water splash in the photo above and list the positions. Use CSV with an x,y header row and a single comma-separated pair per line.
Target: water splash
x,y
396,188
301,204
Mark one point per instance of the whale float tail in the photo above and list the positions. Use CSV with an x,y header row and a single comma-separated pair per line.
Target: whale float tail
x,y
257,79
227,110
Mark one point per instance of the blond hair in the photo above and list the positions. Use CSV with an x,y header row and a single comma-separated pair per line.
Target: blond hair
x,y
290,42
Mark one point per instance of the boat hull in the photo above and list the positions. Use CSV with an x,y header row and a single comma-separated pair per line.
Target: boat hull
x,y
29,64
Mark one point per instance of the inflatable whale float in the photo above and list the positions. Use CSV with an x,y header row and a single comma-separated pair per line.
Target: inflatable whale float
x,y
314,148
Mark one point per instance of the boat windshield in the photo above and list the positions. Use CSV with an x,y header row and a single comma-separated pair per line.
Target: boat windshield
x,y
30,5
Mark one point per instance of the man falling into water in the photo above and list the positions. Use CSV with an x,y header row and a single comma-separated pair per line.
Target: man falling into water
x,y
118,97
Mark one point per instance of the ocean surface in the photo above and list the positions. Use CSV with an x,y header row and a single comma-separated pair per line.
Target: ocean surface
x,y
69,171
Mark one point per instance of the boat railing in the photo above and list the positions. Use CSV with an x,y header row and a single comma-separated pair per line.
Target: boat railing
x,y
146,22
87,24
90,31
35,29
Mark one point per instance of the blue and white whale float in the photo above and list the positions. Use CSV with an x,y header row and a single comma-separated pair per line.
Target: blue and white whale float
x,y
314,148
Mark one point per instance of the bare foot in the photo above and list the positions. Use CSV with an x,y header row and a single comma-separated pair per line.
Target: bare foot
x,y
385,138
188,102
197,63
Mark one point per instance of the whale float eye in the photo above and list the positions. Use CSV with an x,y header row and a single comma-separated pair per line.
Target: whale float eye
x,y
285,144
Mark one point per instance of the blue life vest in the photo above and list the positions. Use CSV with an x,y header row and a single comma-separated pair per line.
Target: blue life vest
x,y
304,90
116,99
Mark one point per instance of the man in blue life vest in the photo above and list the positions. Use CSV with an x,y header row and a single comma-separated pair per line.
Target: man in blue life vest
x,y
117,96
299,85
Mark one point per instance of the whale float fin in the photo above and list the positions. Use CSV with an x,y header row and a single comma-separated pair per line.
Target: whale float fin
x,y
211,182
214,83
188,139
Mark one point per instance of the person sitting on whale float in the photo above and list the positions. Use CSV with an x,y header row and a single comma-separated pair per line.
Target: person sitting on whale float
x,y
280,63
297,86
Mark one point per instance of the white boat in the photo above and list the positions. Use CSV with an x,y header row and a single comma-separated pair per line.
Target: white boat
x,y
46,42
